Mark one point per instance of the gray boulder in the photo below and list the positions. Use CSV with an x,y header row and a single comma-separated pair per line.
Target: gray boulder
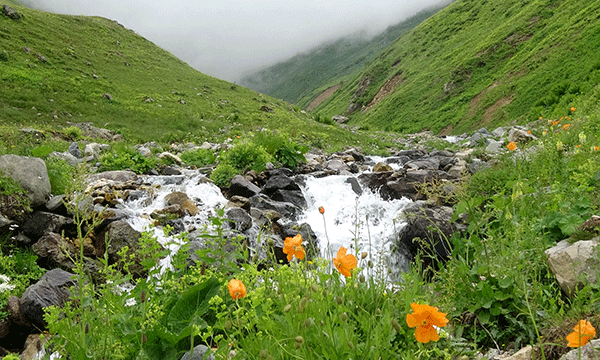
x,y
285,209
51,289
574,265
200,352
74,150
117,176
11,13
242,187
30,173
238,218
41,223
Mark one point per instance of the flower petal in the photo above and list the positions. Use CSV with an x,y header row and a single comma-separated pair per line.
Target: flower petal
x,y
424,334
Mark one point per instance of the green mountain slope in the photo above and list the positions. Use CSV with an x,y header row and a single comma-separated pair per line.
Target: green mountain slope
x,y
56,69
301,78
480,63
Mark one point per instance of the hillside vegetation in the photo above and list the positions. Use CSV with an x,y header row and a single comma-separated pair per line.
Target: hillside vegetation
x,y
480,64
301,78
56,69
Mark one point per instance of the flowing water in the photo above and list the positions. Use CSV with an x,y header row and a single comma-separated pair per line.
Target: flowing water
x,y
359,223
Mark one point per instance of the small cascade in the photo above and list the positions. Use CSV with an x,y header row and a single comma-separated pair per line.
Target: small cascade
x,y
357,219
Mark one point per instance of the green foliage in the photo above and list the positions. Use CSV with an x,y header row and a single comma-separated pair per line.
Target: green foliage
x,y
223,174
18,270
121,158
72,132
60,174
457,75
198,157
285,151
246,156
8,186
41,151
69,89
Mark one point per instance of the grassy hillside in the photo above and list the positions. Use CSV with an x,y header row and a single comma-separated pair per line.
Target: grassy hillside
x,y
480,64
301,78
56,68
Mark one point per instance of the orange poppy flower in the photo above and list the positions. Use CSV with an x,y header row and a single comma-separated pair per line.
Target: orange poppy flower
x,y
321,209
511,146
582,333
345,263
566,126
237,289
596,148
293,247
424,318
572,109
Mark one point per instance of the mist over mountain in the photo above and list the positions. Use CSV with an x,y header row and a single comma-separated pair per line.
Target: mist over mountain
x,y
226,39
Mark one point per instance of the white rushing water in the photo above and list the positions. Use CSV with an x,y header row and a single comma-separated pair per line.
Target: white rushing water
x,y
362,222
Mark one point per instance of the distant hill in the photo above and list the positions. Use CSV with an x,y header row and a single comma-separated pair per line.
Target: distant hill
x,y
300,79
480,64
56,69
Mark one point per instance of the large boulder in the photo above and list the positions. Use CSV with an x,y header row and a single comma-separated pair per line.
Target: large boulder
x,y
285,209
41,223
30,173
51,289
11,13
184,202
242,187
574,265
428,230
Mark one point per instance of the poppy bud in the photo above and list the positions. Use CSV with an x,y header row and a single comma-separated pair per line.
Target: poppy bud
x,y
364,255
314,288
325,293
378,311
87,328
270,242
302,305
255,258
287,308
238,322
144,338
370,263
143,296
308,322
228,325
343,317
263,354
298,341
321,209
350,345
339,300
362,278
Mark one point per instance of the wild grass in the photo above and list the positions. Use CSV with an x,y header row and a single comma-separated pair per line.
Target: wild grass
x,y
481,64
153,95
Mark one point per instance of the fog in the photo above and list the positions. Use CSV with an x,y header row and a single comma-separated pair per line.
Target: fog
x,y
226,38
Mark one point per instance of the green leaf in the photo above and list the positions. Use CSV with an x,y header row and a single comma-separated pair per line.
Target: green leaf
x,y
191,306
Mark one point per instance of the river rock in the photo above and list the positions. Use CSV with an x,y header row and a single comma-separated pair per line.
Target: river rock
x,y
30,173
40,223
239,219
382,167
55,251
290,196
575,264
65,156
239,201
181,199
51,289
286,209
337,165
520,136
432,225
431,163
116,176
242,187
279,182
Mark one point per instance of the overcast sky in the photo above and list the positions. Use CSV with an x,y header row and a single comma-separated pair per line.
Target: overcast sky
x,y
225,38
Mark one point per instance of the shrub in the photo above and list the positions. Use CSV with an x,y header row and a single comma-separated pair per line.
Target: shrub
x,y
72,132
223,174
60,174
291,154
247,156
198,157
126,158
